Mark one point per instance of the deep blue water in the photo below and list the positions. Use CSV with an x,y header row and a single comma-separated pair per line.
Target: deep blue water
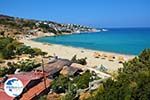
x,y
125,41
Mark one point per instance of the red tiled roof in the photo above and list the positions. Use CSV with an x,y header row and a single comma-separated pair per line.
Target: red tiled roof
x,y
24,77
36,90
4,96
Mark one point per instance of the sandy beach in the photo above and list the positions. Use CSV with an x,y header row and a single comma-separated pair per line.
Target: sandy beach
x,y
68,52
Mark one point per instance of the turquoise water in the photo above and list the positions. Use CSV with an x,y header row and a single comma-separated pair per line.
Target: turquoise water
x,y
125,41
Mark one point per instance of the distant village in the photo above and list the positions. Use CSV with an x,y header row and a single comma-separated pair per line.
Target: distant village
x,y
13,26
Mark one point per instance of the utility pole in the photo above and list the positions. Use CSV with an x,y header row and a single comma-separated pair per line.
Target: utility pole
x,y
44,77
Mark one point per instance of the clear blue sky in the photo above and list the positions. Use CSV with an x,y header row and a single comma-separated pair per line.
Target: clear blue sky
x,y
98,13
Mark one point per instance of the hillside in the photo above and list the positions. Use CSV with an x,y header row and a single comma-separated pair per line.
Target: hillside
x,y
11,26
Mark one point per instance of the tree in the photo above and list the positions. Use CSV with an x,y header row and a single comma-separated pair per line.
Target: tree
x,y
7,70
60,84
81,61
7,54
132,83
83,80
27,65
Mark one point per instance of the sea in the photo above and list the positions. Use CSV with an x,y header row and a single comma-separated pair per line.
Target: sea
x,y
131,41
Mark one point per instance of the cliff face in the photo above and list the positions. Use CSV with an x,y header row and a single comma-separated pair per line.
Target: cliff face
x,y
12,25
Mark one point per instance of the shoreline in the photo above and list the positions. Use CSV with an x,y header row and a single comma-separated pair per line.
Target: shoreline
x,y
36,37
121,54
130,55
68,52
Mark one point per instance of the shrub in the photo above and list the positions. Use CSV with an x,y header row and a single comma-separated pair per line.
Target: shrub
x,y
81,61
83,80
27,65
132,83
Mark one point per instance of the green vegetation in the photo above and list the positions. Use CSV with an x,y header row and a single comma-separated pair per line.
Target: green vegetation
x,y
28,23
9,48
81,61
83,80
16,22
62,83
12,26
25,66
7,70
132,83
71,84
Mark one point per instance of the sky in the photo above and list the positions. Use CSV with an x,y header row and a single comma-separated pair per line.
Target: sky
x,y
97,13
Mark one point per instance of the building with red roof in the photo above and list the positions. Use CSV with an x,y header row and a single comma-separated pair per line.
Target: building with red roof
x,y
32,81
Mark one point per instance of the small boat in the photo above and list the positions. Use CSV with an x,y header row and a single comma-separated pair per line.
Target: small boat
x,y
104,30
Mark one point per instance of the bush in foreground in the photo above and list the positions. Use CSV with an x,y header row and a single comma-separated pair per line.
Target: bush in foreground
x,y
132,83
